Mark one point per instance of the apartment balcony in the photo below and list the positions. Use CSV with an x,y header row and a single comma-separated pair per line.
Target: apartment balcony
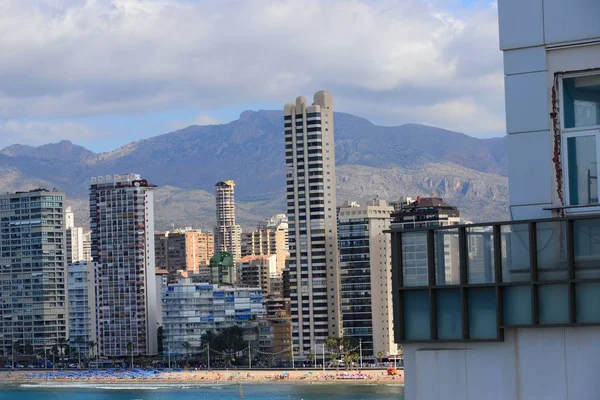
x,y
468,283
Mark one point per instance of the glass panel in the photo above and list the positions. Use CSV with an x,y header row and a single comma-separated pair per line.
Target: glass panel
x,y
449,323
552,250
553,304
587,302
480,259
414,258
586,234
416,315
581,101
447,270
583,170
517,305
482,313
515,253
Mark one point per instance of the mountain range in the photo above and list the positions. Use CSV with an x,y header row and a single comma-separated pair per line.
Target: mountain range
x,y
372,161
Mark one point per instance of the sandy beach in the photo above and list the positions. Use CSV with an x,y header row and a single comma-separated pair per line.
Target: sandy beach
x,y
201,376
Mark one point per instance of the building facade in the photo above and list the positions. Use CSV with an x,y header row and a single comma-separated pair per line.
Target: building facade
x,y
528,325
74,239
266,241
366,276
33,286
81,278
191,309
222,269
227,233
256,271
183,249
122,222
311,204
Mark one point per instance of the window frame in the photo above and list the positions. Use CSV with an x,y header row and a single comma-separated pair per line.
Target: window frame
x,y
566,133
581,208
562,102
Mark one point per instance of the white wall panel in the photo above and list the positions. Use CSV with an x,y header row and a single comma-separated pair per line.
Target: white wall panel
x,y
521,23
530,171
571,20
441,375
526,103
519,61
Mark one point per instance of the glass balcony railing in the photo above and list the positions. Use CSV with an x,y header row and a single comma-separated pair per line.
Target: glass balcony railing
x,y
470,282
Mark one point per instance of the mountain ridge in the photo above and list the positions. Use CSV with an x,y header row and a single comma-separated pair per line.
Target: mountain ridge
x,y
250,150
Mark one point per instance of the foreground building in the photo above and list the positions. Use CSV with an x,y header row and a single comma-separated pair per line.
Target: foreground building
x,y
82,307
366,276
528,326
311,205
227,233
122,222
33,286
191,309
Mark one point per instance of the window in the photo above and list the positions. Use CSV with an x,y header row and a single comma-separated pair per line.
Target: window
x,y
581,101
581,111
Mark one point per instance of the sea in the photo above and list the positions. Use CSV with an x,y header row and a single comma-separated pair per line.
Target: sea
x,y
221,391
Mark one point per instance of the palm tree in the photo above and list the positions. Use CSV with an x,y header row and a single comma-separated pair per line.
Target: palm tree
x,y
187,346
130,351
62,343
79,340
92,346
379,356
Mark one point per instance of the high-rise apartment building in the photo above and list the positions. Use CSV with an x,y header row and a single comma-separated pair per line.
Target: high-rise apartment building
x,y
227,233
74,239
366,276
33,286
82,306
183,249
122,222
87,246
311,204
265,241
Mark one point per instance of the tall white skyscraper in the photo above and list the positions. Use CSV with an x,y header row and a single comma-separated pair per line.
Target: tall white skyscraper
x,y
227,233
311,195
74,239
122,222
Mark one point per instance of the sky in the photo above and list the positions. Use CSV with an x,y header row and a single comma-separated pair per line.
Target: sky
x,y
102,73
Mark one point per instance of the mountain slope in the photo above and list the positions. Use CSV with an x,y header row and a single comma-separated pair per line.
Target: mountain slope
x,y
185,164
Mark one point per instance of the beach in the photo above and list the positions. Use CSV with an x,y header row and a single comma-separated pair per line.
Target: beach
x,y
370,376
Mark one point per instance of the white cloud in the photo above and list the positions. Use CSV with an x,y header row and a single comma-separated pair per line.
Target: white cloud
x,y
382,59
37,133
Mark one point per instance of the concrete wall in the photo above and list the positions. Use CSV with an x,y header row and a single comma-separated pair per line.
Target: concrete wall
x,y
531,364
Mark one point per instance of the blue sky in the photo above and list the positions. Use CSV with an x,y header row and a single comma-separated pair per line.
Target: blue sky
x,y
104,73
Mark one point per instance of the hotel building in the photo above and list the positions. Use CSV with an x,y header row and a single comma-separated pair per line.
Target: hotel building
x,y
122,222
311,203
33,286
227,233
366,276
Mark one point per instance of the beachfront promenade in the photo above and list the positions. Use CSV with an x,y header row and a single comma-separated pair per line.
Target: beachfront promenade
x,y
200,376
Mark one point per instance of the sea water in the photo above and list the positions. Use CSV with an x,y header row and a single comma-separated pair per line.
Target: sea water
x,y
206,391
